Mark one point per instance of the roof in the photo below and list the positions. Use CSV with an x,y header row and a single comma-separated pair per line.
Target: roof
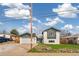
x,y
52,29
28,34
73,36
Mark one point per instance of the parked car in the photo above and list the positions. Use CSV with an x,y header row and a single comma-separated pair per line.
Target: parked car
x,y
2,39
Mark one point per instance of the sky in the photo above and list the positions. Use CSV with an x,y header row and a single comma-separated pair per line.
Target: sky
x,y
63,16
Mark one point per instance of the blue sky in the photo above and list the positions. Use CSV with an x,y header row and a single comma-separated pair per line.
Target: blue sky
x,y
45,15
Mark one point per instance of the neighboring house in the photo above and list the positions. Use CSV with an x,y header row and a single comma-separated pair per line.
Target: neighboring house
x,y
26,38
51,36
73,39
1,35
10,37
5,35
39,38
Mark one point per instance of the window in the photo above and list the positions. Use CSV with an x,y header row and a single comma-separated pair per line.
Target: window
x,y
51,34
51,41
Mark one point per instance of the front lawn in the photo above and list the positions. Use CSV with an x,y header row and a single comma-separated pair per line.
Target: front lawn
x,y
56,48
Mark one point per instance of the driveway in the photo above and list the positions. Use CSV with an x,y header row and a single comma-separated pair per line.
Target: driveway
x,y
13,49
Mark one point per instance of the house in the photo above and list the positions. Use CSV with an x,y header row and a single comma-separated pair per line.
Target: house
x,y
11,37
39,38
26,38
5,35
1,35
73,39
51,36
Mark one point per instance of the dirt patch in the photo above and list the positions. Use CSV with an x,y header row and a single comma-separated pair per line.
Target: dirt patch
x,y
43,48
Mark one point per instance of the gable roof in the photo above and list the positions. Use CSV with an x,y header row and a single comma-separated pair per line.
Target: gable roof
x,y
28,34
52,29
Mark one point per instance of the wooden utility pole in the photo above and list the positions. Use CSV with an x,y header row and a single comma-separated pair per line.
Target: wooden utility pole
x,y
31,25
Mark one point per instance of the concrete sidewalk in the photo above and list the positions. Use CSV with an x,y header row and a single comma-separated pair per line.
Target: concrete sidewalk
x,y
52,54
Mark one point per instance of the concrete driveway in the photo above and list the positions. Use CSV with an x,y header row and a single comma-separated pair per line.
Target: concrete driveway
x,y
14,49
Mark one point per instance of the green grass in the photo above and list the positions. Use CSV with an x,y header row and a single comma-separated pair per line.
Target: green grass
x,y
69,46
56,46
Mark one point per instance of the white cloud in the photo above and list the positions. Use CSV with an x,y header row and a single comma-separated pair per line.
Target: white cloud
x,y
68,27
21,30
35,19
1,23
66,10
48,19
77,6
77,27
15,5
26,28
17,10
71,28
39,21
52,22
18,14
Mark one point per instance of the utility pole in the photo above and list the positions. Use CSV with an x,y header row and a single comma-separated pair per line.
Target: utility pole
x,y
30,24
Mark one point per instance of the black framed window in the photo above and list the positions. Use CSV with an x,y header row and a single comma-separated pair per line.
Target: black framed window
x,y
51,41
51,34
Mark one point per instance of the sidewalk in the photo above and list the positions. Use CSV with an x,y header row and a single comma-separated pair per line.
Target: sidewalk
x,y
52,54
